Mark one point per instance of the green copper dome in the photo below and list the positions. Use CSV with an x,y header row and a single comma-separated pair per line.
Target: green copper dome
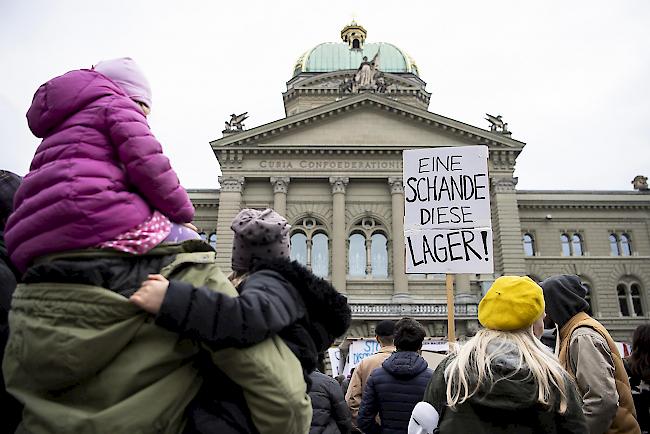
x,y
332,56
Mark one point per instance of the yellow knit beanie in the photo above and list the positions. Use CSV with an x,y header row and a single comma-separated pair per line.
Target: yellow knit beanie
x,y
512,303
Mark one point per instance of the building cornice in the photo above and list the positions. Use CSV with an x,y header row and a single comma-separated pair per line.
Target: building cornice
x,y
587,258
204,197
579,199
574,205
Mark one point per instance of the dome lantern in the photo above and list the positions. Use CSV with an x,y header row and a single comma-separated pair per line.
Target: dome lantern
x,y
354,35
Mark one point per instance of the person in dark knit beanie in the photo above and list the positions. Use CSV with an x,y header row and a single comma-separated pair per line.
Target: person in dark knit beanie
x,y
588,352
276,296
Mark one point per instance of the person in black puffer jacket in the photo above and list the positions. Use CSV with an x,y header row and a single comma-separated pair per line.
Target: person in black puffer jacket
x,y
304,310
394,389
331,412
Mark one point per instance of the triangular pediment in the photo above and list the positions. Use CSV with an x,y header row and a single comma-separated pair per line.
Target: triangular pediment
x,y
366,118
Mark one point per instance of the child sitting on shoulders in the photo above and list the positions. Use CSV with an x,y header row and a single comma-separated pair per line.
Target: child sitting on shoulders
x,y
99,177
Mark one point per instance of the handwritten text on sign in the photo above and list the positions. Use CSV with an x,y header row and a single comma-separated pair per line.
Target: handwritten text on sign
x,y
447,223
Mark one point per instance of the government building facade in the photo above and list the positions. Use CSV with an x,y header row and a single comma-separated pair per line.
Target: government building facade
x,y
333,167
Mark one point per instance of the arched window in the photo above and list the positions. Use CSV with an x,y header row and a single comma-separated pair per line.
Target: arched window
x,y
299,247
635,295
626,246
571,246
379,255
529,245
310,245
356,43
566,247
630,299
368,249
622,300
613,245
320,257
213,240
357,255
576,245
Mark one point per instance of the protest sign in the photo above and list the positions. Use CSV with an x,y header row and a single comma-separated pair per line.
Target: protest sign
x,y
447,224
335,361
362,348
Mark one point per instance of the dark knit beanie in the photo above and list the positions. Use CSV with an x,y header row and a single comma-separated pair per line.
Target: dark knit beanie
x,y
258,235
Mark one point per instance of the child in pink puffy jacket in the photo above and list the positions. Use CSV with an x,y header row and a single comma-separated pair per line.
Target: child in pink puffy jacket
x,y
99,177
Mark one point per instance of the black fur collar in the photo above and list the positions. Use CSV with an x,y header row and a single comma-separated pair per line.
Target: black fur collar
x,y
325,305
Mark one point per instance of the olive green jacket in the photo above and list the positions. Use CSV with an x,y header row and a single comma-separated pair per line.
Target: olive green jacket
x,y
83,359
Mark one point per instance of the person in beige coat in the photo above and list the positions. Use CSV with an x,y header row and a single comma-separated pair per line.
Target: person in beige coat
x,y
384,335
589,354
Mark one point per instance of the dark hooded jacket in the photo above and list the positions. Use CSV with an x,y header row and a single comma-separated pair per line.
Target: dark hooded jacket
x,y
510,406
304,310
331,412
392,392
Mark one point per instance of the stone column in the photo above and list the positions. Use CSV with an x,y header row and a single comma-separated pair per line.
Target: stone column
x,y
229,206
339,255
280,189
400,282
508,251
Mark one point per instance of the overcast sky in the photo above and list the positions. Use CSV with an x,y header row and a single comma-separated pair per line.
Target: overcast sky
x,y
571,78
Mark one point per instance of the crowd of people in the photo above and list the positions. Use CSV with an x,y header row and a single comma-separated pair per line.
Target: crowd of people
x,y
116,319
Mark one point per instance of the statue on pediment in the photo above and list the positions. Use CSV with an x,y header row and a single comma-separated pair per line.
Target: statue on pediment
x,y
496,124
365,76
236,123
640,183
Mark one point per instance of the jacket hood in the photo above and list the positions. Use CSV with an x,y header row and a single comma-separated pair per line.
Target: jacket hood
x,y
405,364
513,388
328,312
565,297
62,96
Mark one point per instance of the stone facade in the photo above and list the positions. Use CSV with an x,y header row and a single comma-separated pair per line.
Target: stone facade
x,y
334,166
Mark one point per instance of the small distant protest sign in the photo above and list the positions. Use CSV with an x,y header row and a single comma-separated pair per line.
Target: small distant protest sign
x,y
447,224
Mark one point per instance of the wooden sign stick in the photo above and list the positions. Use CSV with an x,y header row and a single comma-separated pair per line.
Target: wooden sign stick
x,y
451,328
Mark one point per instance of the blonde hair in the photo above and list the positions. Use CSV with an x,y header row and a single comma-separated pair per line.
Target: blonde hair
x,y
471,369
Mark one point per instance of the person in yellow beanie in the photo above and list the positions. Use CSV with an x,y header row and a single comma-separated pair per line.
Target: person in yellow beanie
x,y
504,380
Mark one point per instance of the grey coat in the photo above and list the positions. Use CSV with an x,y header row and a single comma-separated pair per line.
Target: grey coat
x,y
331,414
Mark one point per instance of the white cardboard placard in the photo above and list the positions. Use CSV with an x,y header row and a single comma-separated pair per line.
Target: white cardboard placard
x,y
447,218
